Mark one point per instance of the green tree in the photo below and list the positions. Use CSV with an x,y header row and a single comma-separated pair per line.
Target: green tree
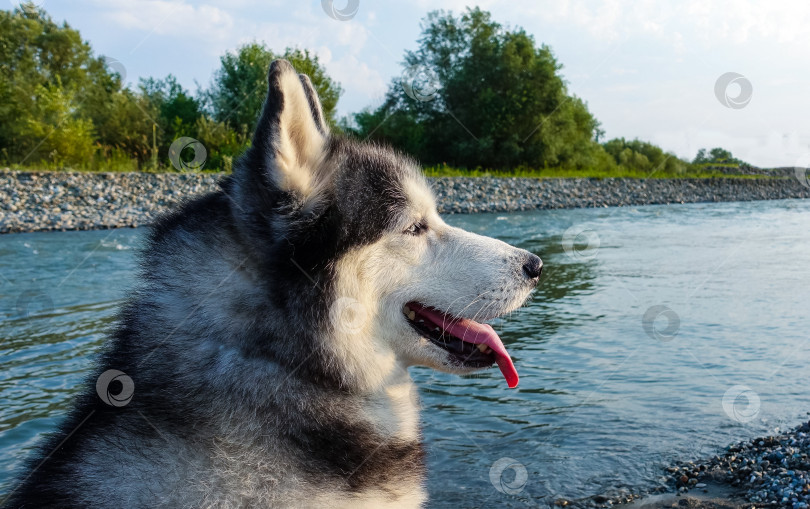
x,y
494,99
240,84
644,156
174,104
38,55
721,155
75,94
175,111
64,139
124,126
716,155
222,143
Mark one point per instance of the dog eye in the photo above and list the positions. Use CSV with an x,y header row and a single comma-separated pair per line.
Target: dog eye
x,y
416,228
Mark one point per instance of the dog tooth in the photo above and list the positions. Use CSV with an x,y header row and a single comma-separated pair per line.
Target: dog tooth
x,y
436,329
412,315
407,310
482,347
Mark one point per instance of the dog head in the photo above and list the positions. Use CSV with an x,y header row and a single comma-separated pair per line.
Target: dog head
x,y
352,246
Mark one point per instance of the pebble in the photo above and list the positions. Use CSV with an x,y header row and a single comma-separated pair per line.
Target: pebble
x,y
772,471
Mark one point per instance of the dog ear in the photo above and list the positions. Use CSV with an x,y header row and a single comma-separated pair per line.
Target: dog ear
x,y
291,133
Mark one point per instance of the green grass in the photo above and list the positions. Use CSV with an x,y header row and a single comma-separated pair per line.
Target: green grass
x,y
115,167
620,172
698,171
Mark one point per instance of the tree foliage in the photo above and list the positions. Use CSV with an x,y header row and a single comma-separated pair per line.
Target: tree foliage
x,y
240,84
501,101
62,106
716,155
71,141
643,156
473,94
50,86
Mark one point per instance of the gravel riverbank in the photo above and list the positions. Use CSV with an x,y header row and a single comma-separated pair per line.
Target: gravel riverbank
x,y
772,471
39,201
765,472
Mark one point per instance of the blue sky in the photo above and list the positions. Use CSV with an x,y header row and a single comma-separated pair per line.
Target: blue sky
x,y
647,69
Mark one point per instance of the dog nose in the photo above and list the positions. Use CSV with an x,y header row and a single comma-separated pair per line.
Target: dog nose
x,y
533,267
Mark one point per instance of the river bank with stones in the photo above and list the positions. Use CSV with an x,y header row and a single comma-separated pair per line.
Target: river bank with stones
x,y
48,201
766,472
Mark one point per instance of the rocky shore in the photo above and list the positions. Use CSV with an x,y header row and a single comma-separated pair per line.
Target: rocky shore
x,y
41,201
772,471
765,472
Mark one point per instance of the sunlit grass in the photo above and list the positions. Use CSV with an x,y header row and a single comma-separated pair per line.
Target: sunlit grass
x,y
620,172
122,165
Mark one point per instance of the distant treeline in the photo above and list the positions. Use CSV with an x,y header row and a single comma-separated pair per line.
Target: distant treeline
x,y
473,95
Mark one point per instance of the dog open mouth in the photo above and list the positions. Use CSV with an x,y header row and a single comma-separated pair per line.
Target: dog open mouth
x,y
469,342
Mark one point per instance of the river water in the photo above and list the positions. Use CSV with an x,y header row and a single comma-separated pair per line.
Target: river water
x,y
658,334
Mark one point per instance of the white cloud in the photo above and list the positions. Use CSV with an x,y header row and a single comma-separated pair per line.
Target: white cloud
x,y
170,18
734,22
457,6
358,77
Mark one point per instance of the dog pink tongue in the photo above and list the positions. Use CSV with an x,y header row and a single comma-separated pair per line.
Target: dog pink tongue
x,y
471,331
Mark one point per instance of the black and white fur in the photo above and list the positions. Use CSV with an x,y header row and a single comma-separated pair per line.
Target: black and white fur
x,y
250,390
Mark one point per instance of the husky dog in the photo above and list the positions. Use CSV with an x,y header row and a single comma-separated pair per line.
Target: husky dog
x,y
262,359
